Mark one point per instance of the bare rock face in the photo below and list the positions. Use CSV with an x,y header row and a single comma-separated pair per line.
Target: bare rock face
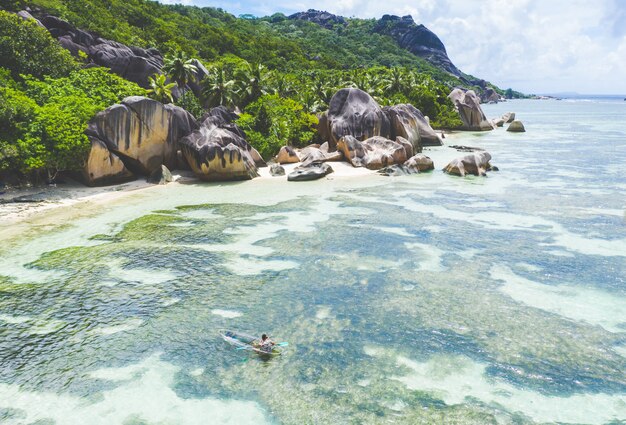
x,y
470,112
103,167
323,19
352,112
476,163
218,152
407,121
373,153
142,132
311,171
287,155
418,40
516,127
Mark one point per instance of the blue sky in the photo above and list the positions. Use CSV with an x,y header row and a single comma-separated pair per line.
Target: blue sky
x,y
535,46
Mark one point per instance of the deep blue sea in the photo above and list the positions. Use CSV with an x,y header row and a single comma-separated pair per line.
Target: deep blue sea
x,y
426,299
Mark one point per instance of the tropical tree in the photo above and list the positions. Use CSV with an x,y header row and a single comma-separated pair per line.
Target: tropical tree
x,y
160,89
252,81
180,69
218,88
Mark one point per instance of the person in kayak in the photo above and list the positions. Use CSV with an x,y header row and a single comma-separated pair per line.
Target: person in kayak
x,y
266,344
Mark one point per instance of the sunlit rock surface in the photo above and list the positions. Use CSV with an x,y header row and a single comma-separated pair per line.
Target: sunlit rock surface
x,y
408,122
373,153
355,113
103,167
476,164
470,112
142,132
287,155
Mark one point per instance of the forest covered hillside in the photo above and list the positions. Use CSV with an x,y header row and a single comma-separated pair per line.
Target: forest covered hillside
x,y
279,72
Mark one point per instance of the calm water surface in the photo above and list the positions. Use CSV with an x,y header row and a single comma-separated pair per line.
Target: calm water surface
x,y
424,299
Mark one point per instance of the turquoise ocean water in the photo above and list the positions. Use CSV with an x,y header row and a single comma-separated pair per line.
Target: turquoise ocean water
x,y
421,299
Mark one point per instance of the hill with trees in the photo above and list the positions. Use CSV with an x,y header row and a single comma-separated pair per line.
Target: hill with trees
x,y
279,72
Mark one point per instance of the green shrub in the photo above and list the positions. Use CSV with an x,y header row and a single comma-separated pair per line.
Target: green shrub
x,y
26,48
272,122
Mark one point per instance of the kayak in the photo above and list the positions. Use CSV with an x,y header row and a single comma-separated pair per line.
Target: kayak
x,y
245,341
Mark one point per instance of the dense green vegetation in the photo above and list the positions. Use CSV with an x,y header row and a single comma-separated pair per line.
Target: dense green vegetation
x,y
278,72
46,101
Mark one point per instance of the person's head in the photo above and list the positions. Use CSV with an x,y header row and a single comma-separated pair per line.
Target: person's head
x,y
264,337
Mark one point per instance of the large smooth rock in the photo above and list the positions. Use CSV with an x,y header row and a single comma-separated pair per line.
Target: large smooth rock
x,y
373,153
287,155
516,127
470,112
310,171
352,112
476,164
420,162
408,122
142,132
132,63
103,167
217,154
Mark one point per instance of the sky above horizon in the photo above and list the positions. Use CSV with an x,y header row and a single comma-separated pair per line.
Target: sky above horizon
x,y
534,46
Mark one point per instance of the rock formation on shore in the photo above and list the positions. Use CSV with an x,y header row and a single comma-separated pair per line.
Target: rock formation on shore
x,y
217,151
134,137
408,122
470,112
374,153
355,113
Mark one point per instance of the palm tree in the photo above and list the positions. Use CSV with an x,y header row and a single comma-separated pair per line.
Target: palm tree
x,y
180,69
160,89
395,81
252,80
218,88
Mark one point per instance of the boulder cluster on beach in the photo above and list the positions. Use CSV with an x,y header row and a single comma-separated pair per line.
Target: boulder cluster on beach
x,y
141,136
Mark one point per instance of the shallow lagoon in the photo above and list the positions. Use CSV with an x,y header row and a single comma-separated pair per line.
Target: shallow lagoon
x,y
425,299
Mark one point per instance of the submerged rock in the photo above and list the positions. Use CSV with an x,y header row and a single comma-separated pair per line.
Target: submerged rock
x,y
373,153
352,112
476,164
516,127
160,176
408,122
470,112
311,171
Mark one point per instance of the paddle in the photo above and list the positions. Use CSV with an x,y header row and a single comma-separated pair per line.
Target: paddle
x,y
279,344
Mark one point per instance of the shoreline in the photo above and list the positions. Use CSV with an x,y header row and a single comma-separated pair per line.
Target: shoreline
x,y
53,199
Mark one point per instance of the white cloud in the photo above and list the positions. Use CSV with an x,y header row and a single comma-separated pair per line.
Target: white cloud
x,y
531,45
